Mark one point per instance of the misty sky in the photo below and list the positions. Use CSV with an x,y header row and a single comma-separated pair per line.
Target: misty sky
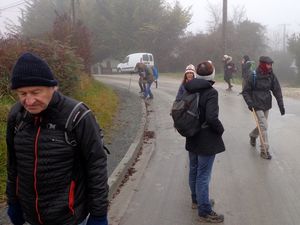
x,y
272,13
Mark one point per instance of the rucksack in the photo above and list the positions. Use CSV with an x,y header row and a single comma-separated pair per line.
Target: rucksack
x,y
186,114
79,111
252,71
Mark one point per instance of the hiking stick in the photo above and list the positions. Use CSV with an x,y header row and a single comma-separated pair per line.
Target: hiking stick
x,y
259,131
129,81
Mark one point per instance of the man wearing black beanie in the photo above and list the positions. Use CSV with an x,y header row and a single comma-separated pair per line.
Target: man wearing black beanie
x,y
57,167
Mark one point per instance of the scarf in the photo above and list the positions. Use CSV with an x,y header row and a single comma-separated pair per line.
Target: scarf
x,y
263,68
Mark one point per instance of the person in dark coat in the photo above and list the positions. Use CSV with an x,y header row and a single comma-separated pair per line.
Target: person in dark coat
x,y
257,95
246,69
229,70
49,179
204,146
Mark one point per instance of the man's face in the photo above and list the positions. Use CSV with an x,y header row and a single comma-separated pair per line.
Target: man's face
x,y
35,99
269,66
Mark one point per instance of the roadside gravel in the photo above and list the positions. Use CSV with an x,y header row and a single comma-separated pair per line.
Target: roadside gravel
x,y
126,125
123,133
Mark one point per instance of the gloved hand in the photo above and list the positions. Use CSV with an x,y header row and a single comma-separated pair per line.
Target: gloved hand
x,y
250,107
15,214
282,110
97,220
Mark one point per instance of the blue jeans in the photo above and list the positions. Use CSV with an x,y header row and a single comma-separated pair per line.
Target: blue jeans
x,y
148,90
84,221
199,178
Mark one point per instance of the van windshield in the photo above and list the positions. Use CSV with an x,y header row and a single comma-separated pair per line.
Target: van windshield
x,y
126,60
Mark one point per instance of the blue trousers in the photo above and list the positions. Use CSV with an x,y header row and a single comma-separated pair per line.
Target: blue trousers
x,y
148,90
199,178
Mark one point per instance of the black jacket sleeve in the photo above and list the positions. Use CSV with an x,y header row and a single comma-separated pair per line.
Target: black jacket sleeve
x,y
276,90
91,144
11,187
212,112
247,92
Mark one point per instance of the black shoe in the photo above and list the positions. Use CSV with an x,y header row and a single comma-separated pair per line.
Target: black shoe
x,y
252,141
212,217
265,155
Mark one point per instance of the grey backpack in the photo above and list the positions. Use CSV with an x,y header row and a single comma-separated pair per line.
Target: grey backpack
x,y
186,114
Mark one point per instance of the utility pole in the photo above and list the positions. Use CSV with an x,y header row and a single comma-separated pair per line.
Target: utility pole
x,y
284,38
73,14
284,35
224,28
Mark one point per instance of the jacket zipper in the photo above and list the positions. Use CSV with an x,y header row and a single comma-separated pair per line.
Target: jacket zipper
x,y
35,169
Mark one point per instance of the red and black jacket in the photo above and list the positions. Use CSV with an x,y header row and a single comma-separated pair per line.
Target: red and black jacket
x,y
56,183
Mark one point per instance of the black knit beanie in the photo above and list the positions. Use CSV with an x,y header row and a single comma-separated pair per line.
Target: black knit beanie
x,y
31,70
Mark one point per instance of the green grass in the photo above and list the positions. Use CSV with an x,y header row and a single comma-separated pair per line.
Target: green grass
x,y
101,99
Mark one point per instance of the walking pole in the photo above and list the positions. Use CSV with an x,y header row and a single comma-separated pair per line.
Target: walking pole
x,y
129,81
259,131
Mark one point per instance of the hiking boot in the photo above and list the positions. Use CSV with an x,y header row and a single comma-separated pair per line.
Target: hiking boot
x,y
211,201
265,155
252,141
212,217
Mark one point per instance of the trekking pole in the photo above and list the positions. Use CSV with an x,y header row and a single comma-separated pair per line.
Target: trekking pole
x,y
259,131
129,81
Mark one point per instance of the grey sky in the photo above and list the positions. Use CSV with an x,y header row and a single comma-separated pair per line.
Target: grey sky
x,y
272,13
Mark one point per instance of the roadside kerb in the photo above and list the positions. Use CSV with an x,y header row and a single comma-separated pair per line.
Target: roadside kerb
x,y
117,176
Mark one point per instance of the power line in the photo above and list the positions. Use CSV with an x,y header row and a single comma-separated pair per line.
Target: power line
x,y
12,5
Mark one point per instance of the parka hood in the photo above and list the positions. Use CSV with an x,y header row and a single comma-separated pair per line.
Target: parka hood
x,y
197,85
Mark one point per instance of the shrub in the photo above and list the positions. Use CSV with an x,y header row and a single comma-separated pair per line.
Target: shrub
x,y
61,58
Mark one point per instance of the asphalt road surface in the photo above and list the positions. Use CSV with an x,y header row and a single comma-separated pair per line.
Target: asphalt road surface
x,y
247,189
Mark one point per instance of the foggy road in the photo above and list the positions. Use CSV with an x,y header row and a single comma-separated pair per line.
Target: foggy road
x,y
247,189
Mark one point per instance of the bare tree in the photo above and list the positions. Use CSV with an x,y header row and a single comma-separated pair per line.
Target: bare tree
x,y
239,14
215,12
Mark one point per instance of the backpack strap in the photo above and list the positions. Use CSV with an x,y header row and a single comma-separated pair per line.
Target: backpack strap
x,y
76,115
254,79
79,111
19,120
198,107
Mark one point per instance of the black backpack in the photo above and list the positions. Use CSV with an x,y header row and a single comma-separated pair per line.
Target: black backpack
x,y
186,114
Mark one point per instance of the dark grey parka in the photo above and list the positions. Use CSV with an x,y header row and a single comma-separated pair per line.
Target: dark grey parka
x,y
257,91
54,182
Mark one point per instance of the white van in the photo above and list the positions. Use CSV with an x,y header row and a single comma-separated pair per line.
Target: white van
x,y
128,64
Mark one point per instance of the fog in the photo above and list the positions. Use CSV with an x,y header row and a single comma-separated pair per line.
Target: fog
x,y
271,13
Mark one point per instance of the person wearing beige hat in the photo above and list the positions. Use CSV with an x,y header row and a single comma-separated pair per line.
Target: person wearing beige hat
x,y
229,70
189,74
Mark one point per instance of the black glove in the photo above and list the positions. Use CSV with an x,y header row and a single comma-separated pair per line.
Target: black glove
x,y
250,107
15,213
282,110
